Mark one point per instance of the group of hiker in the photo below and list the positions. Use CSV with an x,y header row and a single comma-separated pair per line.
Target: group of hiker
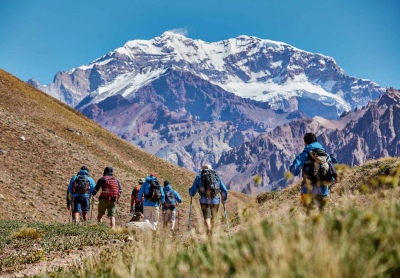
x,y
148,195
146,198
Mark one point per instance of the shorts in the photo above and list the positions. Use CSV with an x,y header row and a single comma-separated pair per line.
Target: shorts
x,y
104,205
209,210
81,204
169,215
139,208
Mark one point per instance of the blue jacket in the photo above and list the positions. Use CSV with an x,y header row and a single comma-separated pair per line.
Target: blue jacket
x,y
298,164
144,190
204,200
167,189
71,184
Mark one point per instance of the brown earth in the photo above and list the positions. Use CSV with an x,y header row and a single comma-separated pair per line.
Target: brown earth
x,y
44,142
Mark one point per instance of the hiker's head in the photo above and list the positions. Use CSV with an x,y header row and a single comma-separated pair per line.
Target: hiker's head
x,y
166,183
108,170
309,138
206,167
141,181
153,175
84,168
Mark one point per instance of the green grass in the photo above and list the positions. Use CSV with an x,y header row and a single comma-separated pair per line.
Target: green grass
x,y
346,243
25,243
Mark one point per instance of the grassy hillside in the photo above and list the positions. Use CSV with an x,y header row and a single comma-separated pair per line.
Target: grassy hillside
x,y
45,142
268,236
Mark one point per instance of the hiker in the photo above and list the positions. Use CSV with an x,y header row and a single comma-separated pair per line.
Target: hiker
x,y
211,189
153,196
136,205
314,189
170,205
80,188
110,191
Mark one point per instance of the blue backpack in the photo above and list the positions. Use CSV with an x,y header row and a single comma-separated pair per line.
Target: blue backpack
x,y
170,201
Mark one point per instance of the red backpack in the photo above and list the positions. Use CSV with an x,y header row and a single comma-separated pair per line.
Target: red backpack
x,y
110,188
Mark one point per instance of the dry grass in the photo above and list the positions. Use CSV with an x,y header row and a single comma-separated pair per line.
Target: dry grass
x,y
58,140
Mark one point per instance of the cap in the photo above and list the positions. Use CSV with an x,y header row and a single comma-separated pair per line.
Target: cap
x,y
108,170
206,166
85,168
153,175
142,180
166,183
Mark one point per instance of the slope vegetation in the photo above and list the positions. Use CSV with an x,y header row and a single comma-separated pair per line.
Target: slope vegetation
x,y
44,142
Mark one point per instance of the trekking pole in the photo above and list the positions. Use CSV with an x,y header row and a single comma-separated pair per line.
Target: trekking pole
x,y
91,210
227,221
190,214
295,210
177,208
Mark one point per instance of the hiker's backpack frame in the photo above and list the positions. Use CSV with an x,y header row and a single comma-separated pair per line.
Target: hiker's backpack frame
x,y
154,194
318,168
170,201
209,183
81,184
110,189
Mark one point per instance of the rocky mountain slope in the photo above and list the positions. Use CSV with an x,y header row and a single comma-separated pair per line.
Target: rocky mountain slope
x,y
44,142
185,119
250,67
189,101
368,133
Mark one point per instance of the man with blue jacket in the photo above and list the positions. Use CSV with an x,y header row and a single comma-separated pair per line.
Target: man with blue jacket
x,y
81,187
311,191
210,195
153,196
172,197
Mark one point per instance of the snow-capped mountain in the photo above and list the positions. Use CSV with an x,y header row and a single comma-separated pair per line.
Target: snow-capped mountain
x,y
190,102
275,72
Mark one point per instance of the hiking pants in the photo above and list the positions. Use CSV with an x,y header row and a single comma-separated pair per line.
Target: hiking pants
x,y
151,214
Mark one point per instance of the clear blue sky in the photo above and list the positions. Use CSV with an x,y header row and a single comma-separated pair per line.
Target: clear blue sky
x,y
38,38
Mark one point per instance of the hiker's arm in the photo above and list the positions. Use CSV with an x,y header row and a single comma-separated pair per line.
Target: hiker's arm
x,y
177,196
141,191
92,185
195,187
120,188
162,196
298,163
68,200
132,200
224,192
97,187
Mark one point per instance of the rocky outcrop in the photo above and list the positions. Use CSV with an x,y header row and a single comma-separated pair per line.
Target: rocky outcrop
x,y
369,133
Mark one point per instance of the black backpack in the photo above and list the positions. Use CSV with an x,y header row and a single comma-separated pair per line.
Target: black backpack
x,y
81,184
209,184
154,194
318,168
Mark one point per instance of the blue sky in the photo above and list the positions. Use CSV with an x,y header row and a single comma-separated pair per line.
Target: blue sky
x,y
38,38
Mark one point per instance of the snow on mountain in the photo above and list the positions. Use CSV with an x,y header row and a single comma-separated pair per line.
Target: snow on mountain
x,y
250,67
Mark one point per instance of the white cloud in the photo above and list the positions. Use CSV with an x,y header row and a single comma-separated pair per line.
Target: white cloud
x,y
180,31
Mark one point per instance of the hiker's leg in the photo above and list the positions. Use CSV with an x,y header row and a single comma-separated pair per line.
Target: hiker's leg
x,y
165,219
112,222
206,210
214,214
101,209
111,212
85,207
146,213
155,216
172,219
77,208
